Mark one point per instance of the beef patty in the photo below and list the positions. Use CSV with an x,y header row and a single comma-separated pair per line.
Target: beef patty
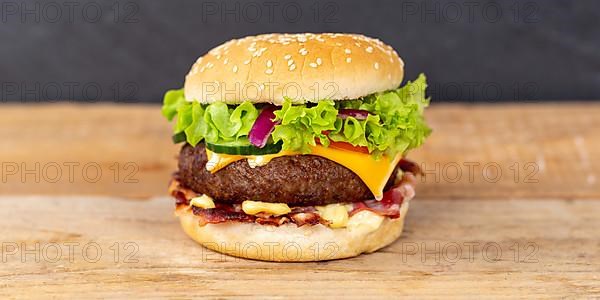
x,y
294,179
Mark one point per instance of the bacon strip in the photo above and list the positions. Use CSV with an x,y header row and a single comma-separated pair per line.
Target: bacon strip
x,y
410,167
389,206
222,213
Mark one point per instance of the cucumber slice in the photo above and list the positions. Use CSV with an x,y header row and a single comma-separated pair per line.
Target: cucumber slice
x,y
179,137
244,148
236,148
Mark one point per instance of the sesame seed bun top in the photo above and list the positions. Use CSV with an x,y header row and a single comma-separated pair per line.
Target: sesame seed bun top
x,y
303,67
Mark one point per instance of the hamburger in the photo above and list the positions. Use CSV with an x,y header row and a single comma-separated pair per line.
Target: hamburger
x,y
294,146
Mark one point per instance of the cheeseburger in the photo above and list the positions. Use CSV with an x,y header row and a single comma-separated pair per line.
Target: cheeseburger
x,y
294,146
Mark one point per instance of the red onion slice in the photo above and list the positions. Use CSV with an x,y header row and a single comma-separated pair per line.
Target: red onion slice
x,y
263,126
358,114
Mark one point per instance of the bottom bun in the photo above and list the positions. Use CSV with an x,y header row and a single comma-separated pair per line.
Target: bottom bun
x,y
288,242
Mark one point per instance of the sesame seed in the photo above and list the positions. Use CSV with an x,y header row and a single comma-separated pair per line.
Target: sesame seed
x,y
376,65
287,57
290,62
202,70
209,65
218,56
292,67
225,61
369,49
235,69
313,65
246,61
302,39
259,52
348,59
347,51
303,51
269,71
319,61
269,63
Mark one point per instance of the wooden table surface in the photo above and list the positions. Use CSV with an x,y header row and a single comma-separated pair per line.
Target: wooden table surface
x,y
510,206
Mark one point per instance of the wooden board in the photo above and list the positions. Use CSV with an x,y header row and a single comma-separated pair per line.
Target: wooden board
x,y
540,237
558,244
542,151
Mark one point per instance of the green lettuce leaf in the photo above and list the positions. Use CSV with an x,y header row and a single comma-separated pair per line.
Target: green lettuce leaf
x,y
171,102
215,123
184,118
229,123
198,129
395,123
301,125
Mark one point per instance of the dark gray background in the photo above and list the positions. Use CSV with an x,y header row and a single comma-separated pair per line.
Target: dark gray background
x,y
132,51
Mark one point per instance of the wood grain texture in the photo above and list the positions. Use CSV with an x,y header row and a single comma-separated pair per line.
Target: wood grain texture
x,y
540,240
542,151
558,242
